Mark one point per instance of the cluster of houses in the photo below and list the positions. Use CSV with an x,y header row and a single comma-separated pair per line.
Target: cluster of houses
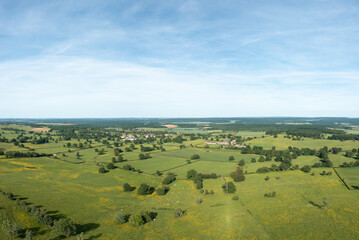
x,y
232,143
129,137
133,138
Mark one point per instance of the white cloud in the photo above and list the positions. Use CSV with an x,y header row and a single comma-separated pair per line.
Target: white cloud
x,y
85,87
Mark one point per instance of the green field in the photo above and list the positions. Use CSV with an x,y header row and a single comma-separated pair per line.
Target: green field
x,y
71,186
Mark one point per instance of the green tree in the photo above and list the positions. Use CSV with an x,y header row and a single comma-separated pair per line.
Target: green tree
x,y
229,187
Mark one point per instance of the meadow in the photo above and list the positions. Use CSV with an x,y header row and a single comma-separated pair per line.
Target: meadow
x,y
71,186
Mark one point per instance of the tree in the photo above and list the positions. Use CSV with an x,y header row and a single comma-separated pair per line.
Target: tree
x,y
191,173
144,189
127,187
229,187
110,166
179,213
306,169
28,235
65,226
241,162
195,156
102,170
162,190
238,175
121,218
169,178
136,220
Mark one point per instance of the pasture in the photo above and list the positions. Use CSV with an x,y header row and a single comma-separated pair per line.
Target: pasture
x,y
72,186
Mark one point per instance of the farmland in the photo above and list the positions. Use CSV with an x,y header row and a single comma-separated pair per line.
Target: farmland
x,y
66,181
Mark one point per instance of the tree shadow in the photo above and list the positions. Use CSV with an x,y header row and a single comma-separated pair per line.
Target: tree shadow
x,y
94,236
355,187
23,198
52,212
86,227
58,216
315,204
153,215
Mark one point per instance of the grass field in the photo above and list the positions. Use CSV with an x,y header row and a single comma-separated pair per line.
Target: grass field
x,y
72,187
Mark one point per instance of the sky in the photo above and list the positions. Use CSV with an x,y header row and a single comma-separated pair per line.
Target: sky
x,y
112,59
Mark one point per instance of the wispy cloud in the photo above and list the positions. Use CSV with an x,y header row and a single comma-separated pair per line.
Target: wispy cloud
x,y
178,58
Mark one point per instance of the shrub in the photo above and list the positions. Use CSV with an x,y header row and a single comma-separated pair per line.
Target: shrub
x,y
146,216
191,173
229,187
235,198
121,218
179,213
270,194
231,158
162,190
238,175
199,200
128,167
170,178
28,235
127,188
241,163
158,173
267,178
65,227
199,184
144,189
11,228
136,220
102,170
306,169
110,166
195,156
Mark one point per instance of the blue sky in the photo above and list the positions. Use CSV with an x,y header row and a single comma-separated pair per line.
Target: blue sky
x,y
179,58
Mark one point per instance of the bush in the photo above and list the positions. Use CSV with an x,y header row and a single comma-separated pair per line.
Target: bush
x,y
191,173
241,163
144,189
179,213
162,190
127,188
110,166
136,220
199,184
235,198
170,178
102,170
267,178
229,187
65,227
11,228
231,158
128,167
28,235
270,194
238,175
306,169
195,156
121,218
158,173
199,200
